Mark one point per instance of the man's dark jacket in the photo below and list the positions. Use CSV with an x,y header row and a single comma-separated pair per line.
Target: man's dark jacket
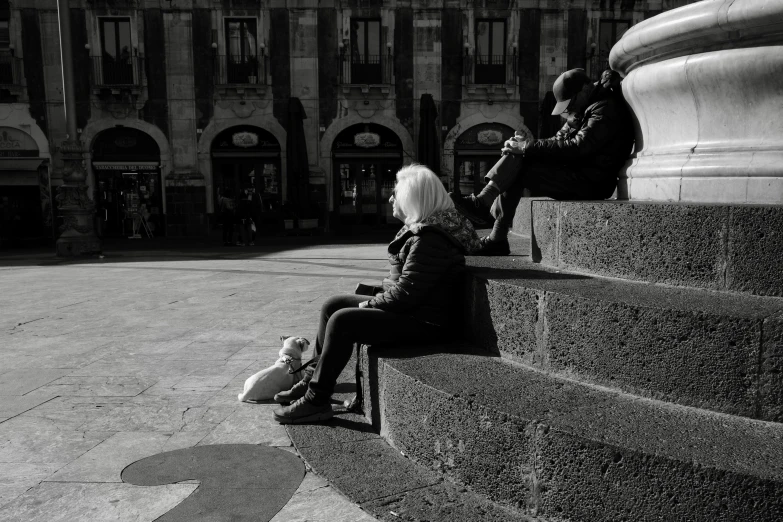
x,y
597,146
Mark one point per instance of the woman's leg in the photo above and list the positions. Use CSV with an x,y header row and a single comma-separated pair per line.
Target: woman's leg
x,y
363,325
330,306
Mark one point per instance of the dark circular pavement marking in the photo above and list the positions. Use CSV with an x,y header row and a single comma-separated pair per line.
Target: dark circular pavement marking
x,y
238,481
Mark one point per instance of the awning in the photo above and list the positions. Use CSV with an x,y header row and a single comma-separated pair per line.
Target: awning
x,y
369,156
19,178
478,152
239,155
20,163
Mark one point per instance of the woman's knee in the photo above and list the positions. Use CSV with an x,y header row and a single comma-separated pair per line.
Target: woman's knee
x,y
335,303
344,323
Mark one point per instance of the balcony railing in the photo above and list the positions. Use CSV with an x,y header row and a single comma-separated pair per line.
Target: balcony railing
x,y
497,69
10,71
366,69
109,72
241,70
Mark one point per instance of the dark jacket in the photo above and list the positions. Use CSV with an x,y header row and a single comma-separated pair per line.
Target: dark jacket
x,y
600,143
427,261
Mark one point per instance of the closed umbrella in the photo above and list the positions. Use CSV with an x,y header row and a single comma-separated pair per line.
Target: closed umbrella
x,y
296,154
429,145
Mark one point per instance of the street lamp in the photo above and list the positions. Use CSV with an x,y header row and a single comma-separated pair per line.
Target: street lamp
x,y
77,233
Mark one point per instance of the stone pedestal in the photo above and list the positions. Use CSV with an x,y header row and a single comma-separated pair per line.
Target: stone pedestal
x,y
77,233
704,83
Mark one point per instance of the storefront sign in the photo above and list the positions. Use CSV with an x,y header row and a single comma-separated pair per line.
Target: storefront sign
x,y
17,144
490,137
125,166
245,139
367,140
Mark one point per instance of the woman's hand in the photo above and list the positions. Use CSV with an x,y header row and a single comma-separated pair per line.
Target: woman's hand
x,y
515,145
364,304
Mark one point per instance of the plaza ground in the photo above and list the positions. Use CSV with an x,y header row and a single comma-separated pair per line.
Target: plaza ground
x,y
108,361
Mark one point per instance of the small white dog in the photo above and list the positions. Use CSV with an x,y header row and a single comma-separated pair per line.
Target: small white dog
x,y
269,381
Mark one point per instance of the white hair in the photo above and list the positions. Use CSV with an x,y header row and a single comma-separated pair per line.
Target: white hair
x,y
420,193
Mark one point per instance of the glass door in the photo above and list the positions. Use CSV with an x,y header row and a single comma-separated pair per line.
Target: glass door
x,y
362,191
470,173
120,195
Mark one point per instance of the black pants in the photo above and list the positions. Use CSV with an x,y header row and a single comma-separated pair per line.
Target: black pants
x,y
343,323
513,174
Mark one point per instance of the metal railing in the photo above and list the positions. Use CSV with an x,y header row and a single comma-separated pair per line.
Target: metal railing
x,y
116,72
241,70
497,69
10,70
366,69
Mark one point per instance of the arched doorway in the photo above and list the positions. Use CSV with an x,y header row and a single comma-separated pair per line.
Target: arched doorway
x,y
477,150
246,165
25,202
126,163
366,158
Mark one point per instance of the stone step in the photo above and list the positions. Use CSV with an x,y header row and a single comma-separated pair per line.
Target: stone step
x,y
562,450
735,248
380,479
694,347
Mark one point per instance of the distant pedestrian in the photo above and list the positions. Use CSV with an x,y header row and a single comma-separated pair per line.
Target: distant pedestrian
x,y
247,204
226,205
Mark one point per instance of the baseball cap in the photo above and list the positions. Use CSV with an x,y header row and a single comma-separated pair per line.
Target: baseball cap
x,y
566,87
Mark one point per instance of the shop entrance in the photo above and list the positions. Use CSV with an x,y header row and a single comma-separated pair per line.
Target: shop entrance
x,y
128,192
477,150
246,168
366,161
25,202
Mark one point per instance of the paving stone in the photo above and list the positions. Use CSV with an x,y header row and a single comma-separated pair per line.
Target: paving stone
x,y
20,382
13,405
70,413
32,440
249,424
66,502
105,462
165,418
16,478
83,386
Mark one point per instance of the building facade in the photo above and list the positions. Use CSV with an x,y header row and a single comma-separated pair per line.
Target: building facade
x,y
313,105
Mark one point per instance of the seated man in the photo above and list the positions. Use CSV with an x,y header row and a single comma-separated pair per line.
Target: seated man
x,y
580,162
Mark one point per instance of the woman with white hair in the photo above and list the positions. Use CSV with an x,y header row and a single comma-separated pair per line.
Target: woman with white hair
x,y
417,301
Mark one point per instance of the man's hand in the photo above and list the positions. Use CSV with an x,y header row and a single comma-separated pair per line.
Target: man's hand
x,y
364,304
515,145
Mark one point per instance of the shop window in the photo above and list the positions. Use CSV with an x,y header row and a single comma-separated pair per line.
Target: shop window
x,y
241,59
117,64
609,32
5,36
490,54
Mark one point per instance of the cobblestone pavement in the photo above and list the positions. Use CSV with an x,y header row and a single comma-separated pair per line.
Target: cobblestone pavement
x,y
104,362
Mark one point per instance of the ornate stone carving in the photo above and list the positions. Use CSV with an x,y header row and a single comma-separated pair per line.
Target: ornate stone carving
x,y
74,197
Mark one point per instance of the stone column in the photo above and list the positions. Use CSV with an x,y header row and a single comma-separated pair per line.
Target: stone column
x,y
77,233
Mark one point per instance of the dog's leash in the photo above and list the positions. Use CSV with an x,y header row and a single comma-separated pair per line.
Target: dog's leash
x,y
311,362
